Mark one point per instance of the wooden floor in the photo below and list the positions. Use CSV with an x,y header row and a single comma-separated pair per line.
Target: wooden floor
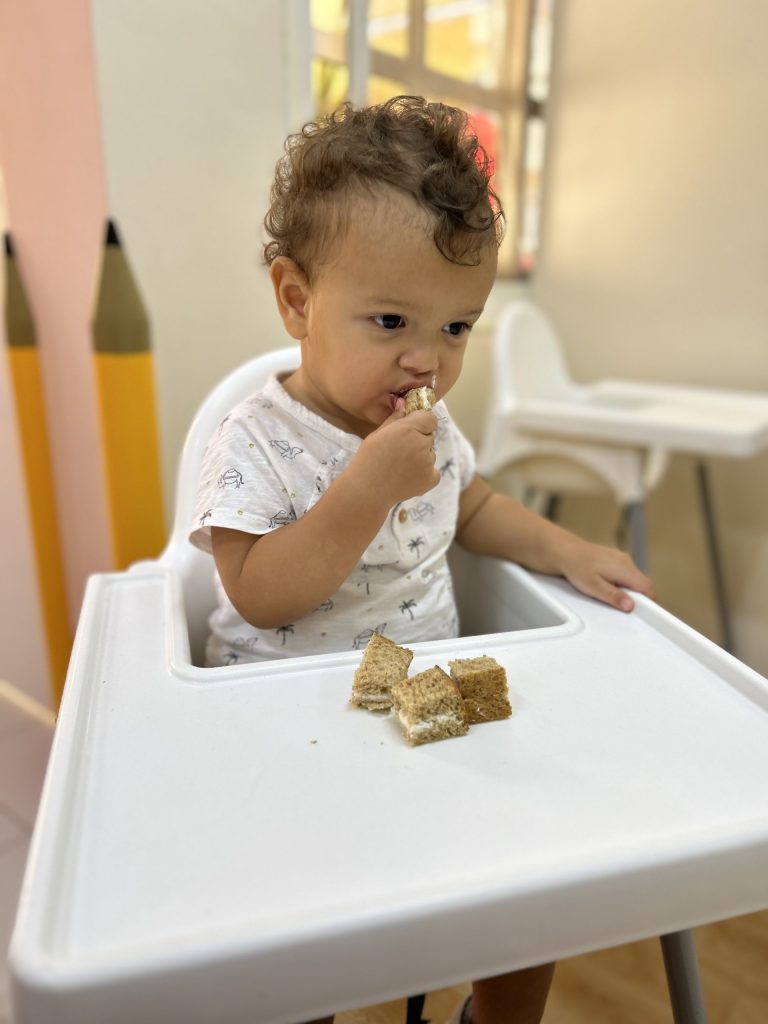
x,y
626,985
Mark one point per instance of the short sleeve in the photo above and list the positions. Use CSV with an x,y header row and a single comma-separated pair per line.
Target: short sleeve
x,y
239,487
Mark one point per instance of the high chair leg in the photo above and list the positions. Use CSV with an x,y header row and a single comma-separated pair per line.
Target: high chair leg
x,y
637,534
718,576
414,1009
683,980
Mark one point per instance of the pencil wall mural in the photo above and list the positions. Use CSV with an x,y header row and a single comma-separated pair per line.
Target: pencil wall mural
x,y
29,405
126,394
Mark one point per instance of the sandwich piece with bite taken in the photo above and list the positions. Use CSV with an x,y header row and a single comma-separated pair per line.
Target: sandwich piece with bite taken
x,y
419,398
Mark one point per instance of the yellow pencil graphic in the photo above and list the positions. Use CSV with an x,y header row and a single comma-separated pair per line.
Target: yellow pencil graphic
x,y
125,382
36,460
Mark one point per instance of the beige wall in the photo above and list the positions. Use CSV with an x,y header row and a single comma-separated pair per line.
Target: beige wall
x,y
656,254
196,99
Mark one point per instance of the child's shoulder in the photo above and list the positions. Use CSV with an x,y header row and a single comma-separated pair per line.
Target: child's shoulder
x,y
260,406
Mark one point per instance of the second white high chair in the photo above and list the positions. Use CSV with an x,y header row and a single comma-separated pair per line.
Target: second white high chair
x,y
528,362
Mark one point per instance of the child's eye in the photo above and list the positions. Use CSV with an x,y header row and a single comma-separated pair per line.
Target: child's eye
x,y
457,328
389,321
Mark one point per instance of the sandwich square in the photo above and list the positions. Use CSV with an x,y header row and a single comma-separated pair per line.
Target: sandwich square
x,y
429,707
419,398
482,683
382,665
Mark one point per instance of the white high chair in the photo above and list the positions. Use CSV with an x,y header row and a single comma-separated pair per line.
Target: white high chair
x,y
527,362
194,568
475,578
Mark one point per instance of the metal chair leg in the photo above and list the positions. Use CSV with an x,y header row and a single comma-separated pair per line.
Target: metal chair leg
x,y
552,507
718,577
637,533
414,1009
683,980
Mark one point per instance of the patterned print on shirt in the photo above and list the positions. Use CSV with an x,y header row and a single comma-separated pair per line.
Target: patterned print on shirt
x,y
248,642
421,511
408,606
448,467
206,515
362,639
286,449
415,544
366,567
326,606
285,630
230,478
281,518
322,477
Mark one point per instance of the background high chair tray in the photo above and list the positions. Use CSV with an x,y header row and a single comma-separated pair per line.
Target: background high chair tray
x,y
242,845
701,421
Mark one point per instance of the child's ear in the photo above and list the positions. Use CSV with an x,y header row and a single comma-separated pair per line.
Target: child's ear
x,y
291,293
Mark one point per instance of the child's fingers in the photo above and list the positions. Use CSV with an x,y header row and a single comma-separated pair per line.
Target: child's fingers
x,y
607,592
628,575
398,413
423,420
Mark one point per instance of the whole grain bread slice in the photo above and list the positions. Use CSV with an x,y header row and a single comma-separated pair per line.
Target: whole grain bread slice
x,y
482,682
382,665
429,707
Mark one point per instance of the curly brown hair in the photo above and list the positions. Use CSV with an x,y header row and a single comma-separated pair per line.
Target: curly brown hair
x,y
425,150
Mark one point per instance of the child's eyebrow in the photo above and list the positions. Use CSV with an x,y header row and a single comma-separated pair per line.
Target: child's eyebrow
x,y
389,303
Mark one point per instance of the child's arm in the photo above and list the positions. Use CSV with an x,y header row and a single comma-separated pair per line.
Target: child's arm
x,y
280,576
495,524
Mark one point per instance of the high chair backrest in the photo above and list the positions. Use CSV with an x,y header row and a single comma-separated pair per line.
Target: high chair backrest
x,y
194,567
528,360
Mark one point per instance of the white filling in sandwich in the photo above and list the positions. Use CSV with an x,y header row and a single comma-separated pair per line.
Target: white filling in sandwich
x,y
417,728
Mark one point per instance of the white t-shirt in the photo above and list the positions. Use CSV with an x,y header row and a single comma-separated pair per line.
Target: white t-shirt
x,y
270,461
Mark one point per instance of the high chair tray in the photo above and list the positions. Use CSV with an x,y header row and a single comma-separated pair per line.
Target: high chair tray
x,y
699,421
242,845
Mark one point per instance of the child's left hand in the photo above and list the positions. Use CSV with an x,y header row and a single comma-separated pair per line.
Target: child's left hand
x,y
601,572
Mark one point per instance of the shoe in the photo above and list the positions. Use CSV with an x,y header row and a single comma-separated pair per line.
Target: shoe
x,y
463,1013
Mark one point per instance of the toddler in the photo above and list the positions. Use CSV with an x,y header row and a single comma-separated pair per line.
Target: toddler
x,y
328,512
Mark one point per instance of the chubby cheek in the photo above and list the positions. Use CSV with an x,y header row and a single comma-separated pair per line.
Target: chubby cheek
x,y
365,390
448,373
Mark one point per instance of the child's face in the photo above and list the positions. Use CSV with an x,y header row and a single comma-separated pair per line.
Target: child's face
x,y
386,314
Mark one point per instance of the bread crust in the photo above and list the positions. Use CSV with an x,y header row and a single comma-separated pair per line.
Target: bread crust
x,y
482,683
382,665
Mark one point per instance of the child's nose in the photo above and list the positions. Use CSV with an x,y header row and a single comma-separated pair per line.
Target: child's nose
x,y
420,359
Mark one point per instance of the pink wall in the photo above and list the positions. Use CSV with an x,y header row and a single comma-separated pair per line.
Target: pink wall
x,y
50,150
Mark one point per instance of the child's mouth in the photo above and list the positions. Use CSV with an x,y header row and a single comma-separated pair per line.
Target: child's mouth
x,y
394,395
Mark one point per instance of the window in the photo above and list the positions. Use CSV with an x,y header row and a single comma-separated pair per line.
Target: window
x,y
491,57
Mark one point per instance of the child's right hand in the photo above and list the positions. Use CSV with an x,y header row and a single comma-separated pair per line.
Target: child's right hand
x,y
397,460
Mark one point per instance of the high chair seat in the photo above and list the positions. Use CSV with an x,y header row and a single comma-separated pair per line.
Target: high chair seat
x,y
193,567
